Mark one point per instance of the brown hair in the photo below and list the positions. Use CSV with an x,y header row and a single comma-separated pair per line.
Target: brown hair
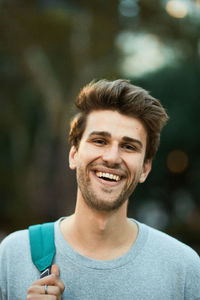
x,y
127,99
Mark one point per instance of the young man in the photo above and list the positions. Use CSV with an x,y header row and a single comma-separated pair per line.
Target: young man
x,y
100,253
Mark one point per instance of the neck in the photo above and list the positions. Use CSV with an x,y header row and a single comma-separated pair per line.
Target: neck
x,y
88,230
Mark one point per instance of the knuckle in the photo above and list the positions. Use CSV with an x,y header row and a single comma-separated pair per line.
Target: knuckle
x,y
57,291
62,287
31,289
30,297
53,277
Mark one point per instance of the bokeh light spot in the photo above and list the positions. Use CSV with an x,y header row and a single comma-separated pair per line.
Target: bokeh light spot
x,y
177,161
176,9
198,3
128,8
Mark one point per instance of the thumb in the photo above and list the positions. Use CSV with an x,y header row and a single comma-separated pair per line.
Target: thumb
x,y
55,270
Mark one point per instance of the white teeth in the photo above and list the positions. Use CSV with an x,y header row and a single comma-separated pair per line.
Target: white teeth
x,y
108,175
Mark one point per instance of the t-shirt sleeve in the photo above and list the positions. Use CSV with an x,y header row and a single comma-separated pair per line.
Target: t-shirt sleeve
x,y
192,282
14,251
3,269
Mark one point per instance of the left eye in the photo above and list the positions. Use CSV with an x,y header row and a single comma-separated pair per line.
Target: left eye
x,y
128,147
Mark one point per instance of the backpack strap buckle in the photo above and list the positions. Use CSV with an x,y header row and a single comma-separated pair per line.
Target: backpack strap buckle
x,y
46,272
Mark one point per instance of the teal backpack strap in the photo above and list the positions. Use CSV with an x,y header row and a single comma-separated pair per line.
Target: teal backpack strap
x,y
42,246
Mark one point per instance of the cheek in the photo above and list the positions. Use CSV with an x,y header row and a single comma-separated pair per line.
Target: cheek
x,y
90,153
135,168
86,157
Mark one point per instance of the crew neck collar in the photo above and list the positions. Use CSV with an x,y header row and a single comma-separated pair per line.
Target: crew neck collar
x,y
63,248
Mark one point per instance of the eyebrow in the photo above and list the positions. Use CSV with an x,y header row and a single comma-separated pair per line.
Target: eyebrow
x,y
126,139
102,133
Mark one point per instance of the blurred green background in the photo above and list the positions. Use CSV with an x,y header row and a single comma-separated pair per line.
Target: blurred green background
x,y
48,50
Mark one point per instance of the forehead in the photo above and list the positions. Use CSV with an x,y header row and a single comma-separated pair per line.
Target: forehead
x,y
117,124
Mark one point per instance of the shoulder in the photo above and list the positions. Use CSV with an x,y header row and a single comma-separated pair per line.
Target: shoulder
x,y
15,237
176,258
17,270
14,253
14,244
171,247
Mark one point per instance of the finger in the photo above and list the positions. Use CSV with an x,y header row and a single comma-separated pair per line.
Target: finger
x,y
40,290
48,280
55,270
45,297
51,280
53,290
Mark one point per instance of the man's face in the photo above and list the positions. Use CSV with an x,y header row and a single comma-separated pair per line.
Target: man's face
x,y
110,159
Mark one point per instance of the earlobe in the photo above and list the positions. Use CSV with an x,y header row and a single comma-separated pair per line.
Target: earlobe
x,y
146,170
72,157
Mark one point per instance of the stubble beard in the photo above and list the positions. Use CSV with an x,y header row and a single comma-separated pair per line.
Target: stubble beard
x,y
94,201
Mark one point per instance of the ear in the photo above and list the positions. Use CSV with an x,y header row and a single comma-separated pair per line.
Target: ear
x,y
146,169
72,158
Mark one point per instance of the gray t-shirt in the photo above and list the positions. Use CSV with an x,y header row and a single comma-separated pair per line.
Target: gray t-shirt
x,y
156,267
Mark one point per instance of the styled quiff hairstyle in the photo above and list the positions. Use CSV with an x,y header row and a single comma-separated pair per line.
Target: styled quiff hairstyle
x,y
121,96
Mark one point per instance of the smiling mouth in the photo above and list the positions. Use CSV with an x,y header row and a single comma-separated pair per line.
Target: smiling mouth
x,y
108,176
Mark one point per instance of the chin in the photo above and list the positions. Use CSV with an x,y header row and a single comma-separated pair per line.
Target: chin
x,y
105,206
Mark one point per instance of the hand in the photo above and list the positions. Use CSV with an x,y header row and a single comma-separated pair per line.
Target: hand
x,y
55,287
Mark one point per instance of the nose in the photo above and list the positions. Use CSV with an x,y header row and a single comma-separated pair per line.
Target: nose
x,y
111,155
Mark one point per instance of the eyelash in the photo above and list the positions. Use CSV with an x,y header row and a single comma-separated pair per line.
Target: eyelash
x,y
130,148
99,141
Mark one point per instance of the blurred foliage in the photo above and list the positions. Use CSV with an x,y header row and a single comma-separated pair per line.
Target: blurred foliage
x,y
48,50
